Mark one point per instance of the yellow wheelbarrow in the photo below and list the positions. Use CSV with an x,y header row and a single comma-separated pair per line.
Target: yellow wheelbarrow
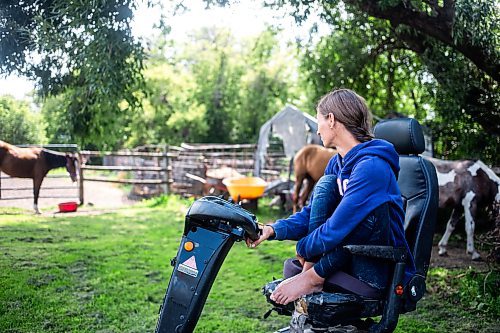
x,y
241,188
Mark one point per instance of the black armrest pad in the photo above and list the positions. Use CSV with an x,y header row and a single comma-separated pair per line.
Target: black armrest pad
x,y
395,254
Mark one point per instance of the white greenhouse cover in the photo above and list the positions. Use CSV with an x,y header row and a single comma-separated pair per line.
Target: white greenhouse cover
x,y
294,127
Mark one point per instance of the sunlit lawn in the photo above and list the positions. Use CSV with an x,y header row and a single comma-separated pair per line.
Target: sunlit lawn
x,y
108,273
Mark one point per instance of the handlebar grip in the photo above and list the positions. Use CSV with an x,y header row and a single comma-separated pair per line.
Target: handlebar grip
x,y
216,213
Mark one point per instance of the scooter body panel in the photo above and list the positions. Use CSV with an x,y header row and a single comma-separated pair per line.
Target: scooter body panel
x,y
212,226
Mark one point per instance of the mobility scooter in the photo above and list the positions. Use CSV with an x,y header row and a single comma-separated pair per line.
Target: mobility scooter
x,y
212,226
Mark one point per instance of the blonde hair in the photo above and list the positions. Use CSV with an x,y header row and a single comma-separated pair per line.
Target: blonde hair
x,y
351,110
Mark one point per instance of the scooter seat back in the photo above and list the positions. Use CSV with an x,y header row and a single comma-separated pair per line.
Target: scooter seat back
x,y
418,184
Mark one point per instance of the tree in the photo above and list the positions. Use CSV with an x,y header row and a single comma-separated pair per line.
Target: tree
x,y
82,49
470,27
359,55
266,85
457,42
210,88
170,114
216,65
19,125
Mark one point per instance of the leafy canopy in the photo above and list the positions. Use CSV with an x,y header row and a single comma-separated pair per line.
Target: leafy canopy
x,y
456,42
208,88
82,49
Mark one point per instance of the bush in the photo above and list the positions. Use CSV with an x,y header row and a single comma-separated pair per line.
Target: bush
x,y
478,291
473,291
19,124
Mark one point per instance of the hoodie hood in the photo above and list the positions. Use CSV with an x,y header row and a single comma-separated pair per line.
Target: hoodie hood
x,y
376,147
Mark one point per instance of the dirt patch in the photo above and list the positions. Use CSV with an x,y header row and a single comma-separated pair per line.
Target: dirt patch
x,y
456,258
41,281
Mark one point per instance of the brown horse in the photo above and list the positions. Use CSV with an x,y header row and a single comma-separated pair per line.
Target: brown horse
x,y
34,163
309,163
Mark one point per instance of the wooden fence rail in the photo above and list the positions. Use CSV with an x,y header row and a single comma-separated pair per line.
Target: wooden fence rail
x,y
126,181
122,168
176,169
142,168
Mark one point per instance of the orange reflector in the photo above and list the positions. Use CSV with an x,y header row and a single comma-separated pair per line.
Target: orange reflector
x,y
399,290
188,246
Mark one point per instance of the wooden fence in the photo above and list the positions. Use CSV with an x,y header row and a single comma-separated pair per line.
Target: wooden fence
x,y
162,169
141,169
156,169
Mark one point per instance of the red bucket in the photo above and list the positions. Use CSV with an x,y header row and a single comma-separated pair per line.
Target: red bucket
x,y
66,207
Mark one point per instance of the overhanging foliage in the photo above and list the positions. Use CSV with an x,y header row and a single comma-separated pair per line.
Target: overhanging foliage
x,y
84,50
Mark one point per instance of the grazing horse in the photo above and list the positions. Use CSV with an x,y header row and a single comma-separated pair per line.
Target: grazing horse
x,y
34,163
309,163
465,186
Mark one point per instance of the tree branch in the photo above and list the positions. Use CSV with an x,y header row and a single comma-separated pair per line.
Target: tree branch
x,y
439,27
408,15
474,100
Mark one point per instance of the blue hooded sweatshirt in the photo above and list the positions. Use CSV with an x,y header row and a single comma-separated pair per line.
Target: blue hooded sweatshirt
x,y
366,179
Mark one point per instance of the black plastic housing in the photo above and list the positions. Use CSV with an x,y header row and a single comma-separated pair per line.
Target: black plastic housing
x,y
212,225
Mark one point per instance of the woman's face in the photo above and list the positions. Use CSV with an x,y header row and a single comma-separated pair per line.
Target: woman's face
x,y
325,130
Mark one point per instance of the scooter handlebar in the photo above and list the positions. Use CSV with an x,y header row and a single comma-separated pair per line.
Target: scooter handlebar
x,y
216,214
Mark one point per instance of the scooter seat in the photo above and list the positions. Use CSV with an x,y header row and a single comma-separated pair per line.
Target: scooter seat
x,y
340,282
343,300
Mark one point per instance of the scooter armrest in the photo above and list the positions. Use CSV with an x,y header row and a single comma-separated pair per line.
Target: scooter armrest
x,y
396,254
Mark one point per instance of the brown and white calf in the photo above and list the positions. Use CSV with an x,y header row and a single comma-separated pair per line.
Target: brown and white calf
x,y
468,185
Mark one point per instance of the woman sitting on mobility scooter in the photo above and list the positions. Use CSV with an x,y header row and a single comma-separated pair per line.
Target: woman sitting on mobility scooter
x,y
356,202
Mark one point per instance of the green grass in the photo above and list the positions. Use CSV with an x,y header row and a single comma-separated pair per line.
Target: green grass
x,y
108,273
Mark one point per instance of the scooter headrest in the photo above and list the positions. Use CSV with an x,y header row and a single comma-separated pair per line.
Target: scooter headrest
x,y
404,133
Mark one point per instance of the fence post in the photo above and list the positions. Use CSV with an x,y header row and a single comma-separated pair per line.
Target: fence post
x,y
165,157
0,184
80,177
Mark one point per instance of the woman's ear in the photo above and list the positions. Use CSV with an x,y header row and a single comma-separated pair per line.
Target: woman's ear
x,y
331,120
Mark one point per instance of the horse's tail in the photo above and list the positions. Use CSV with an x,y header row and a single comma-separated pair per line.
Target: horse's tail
x,y
491,174
290,167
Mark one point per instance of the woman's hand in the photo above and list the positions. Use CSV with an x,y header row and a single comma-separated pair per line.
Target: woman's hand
x,y
306,265
300,259
267,232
